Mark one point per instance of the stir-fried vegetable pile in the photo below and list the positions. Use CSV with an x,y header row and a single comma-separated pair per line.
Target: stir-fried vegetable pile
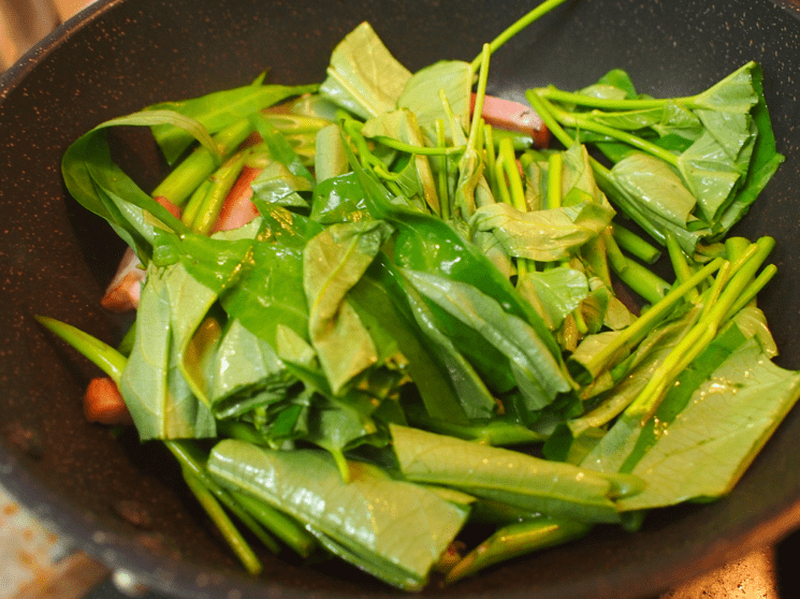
x,y
415,325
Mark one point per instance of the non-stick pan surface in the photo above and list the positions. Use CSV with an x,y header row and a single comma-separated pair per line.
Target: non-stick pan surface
x,y
115,497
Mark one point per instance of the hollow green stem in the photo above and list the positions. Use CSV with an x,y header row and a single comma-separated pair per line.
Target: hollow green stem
x,y
752,290
584,122
546,112
195,202
555,170
721,299
444,192
282,526
501,184
515,540
105,357
635,244
178,186
634,333
456,131
616,259
557,95
400,146
189,457
680,265
221,183
491,155
480,94
515,28
512,176
735,247
227,529
495,433
643,281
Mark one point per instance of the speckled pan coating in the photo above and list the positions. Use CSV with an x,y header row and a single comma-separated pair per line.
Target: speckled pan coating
x,y
114,498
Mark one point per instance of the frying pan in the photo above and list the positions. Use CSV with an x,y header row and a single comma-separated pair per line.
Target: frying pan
x,y
115,497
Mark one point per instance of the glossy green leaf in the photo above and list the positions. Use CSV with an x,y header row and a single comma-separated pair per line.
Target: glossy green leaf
x,y
396,528
363,76
520,480
545,235
333,262
159,398
535,370
217,110
423,95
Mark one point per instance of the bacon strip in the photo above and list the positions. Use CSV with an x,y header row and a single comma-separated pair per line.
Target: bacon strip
x,y
513,116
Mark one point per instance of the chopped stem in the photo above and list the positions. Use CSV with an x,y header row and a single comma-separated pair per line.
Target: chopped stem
x,y
500,180
512,176
188,456
635,245
515,28
282,526
194,203
178,186
491,156
680,265
634,333
642,280
581,121
456,130
717,308
557,95
480,94
221,183
555,169
617,260
495,433
396,144
105,357
749,294
545,111
444,194
221,520
514,540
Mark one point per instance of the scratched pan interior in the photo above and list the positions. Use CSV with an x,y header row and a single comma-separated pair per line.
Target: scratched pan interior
x,y
56,260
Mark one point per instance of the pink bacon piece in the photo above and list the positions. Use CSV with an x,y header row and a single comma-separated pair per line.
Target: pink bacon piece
x,y
124,291
513,116
238,209
122,294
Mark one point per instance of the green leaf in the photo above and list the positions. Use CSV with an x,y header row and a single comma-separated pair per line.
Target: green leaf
x,y
334,261
713,440
397,530
423,95
247,374
269,291
363,76
402,125
656,187
534,368
545,235
158,396
217,110
339,199
276,184
711,423
330,158
555,292
520,480
100,186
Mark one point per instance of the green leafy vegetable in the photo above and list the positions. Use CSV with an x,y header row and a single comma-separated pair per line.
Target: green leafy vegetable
x,y
429,324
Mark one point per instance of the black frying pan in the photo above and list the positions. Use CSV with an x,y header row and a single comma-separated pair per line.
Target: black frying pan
x,y
115,497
